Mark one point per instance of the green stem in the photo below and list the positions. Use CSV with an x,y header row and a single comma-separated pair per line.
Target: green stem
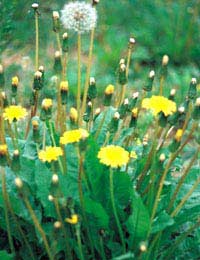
x,y
58,42
185,198
184,175
161,86
4,193
44,136
38,227
16,135
100,125
88,73
115,211
103,255
36,41
79,242
79,79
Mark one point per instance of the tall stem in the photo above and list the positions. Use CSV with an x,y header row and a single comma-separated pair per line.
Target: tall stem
x,y
4,193
115,211
79,79
36,41
88,72
38,227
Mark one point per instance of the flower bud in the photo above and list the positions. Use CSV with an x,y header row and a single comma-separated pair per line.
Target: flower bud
x,y
92,91
57,224
46,110
35,6
73,114
143,247
131,42
122,78
196,111
55,179
172,94
176,141
113,126
15,163
50,198
162,157
87,115
165,60
38,81
149,81
108,94
3,150
123,109
64,87
65,44
4,99
192,92
56,21
133,100
134,116
2,78
57,63
18,183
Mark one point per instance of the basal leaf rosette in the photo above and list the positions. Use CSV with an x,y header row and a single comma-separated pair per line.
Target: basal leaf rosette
x,y
113,156
159,104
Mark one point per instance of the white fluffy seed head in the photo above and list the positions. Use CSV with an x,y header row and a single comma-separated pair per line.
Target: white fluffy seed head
x,y
80,17
132,40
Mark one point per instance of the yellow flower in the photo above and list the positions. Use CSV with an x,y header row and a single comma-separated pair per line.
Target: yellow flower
x,y
3,149
14,113
133,155
47,103
134,112
109,90
74,136
15,81
73,114
73,220
50,154
159,104
178,135
113,155
64,85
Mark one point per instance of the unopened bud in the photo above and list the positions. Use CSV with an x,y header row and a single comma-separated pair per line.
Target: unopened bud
x,y
64,85
122,61
41,69
57,54
92,80
1,68
122,67
162,157
165,60
135,95
194,81
15,81
181,109
143,247
38,74
197,103
109,90
116,115
47,103
173,92
57,224
56,15
73,115
35,124
65,35
97,111
55,179
18,183
152,74
132,40
50,198
126,101
35,6
16,153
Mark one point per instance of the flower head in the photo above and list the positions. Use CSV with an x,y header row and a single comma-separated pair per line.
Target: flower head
x,y
73,220
109,89
15,81
74,136
47,103
178,135
73,114
51,153
79,16
133,155
113,155
14,113
159,104
3,149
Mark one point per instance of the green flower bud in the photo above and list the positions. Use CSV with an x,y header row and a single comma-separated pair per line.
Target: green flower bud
x,y
56,21
92,91
46,110
15,163
57,63
133,101
37,82
123,109
113,126
87,115
149,82
192,92
162,119
196,111
134,116
108,94
65,44
2,78
122,79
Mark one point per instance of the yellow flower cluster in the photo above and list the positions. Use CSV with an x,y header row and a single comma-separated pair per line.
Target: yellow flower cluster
x,y
51,153
74,136
14,113
113,156
159,104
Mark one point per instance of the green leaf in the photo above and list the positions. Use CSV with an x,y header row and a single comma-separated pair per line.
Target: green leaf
x,y
138,223
126,256
5,256
161,222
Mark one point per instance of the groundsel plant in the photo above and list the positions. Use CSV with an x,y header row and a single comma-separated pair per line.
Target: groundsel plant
x,y
115,181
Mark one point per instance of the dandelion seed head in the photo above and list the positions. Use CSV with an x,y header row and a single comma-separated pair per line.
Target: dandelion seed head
x,y
79,16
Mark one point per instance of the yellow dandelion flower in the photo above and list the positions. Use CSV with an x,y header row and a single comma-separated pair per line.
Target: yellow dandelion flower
x,y
109,90
47,103
113,155
178,135
14,113
74,136
15,81
3,149
50,154
159,104
73,220
135,112
133,155
73,114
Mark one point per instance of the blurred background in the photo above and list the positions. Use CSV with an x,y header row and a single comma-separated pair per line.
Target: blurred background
x,y
159,27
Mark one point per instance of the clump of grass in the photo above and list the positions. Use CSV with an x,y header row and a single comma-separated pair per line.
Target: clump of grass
x,y
111,177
